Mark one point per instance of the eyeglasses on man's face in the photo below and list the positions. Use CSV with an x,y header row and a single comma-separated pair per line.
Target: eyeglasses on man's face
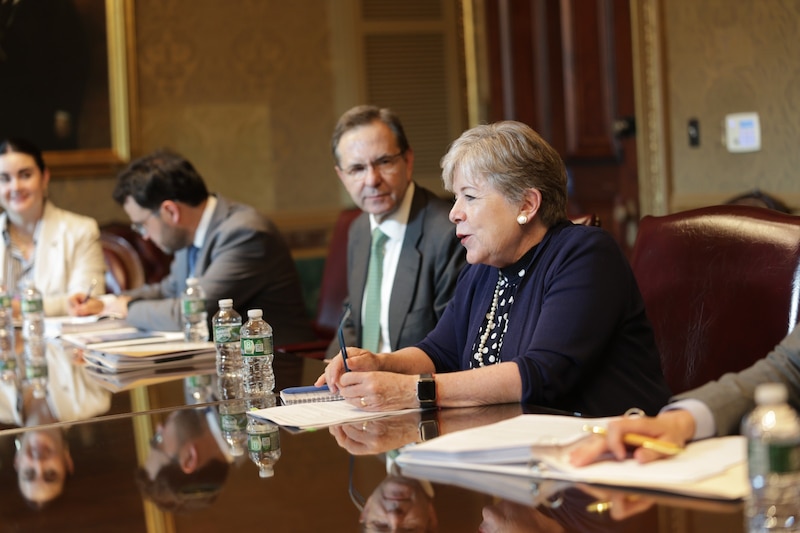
x,y
138,227
383,165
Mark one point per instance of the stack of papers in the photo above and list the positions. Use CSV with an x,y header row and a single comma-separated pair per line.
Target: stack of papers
x,y
134,350
55,326
110,339
538,446
146,375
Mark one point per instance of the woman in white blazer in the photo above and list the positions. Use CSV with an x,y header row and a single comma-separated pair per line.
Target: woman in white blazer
x,y
58,249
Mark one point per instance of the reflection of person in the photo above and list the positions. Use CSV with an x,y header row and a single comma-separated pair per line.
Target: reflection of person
x,y
43,463
58,249
188,462
400,504
422,257
43,460
713,409
571,509
546,313
43,71
239,253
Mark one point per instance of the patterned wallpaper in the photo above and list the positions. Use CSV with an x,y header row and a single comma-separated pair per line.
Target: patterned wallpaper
x,y
729,57
242,88
245,89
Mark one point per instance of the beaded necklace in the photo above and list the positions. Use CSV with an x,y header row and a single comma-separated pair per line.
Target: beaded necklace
x,y
490,319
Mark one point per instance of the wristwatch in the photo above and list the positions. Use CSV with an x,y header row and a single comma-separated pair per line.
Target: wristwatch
x,y
428,426
426,391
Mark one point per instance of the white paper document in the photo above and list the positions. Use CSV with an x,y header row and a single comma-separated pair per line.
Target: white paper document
x,y
539,445
319,415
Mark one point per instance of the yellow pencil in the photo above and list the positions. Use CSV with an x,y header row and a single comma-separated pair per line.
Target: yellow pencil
x,y
634,439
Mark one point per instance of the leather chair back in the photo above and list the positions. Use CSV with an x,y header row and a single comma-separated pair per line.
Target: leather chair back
x,y
721,286
124,270
155,262
333,287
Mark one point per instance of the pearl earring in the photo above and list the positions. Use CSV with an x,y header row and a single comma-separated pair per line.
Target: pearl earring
x,y
522,220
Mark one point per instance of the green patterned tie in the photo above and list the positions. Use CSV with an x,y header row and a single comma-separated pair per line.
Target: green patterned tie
x,y
371,331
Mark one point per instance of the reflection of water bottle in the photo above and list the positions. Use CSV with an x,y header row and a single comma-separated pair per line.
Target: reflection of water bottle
x,y
193,308
773,461
227,323
256,347
33,336
8,357
198,389
263,445
232,413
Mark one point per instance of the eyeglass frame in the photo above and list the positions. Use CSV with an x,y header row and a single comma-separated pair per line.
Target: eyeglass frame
x,y
139,228
383,164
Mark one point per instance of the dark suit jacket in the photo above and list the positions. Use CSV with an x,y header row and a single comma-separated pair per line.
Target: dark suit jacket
x,y
244,257
430,260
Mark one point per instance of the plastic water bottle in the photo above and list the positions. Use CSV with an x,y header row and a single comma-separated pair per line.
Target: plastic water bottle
x,y
256,348
33,337
193,308
773,461
263,445
8,357
227,323
232,412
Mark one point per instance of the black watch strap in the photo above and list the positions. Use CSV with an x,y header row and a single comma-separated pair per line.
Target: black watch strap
x,y
426,391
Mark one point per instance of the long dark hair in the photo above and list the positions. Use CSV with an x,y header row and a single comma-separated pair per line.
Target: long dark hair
x,y
23,146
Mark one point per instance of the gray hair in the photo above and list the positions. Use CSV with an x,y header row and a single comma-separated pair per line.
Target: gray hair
x,y
364,115
512,158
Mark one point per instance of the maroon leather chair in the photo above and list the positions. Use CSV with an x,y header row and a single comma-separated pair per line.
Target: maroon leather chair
x,y
155,262
721,286
332,294
123,267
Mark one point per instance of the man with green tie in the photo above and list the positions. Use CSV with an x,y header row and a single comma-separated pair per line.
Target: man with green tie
x,y
403,256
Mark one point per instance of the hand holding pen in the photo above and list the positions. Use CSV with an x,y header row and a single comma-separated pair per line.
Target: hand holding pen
x,y
651,438
84,304
88,294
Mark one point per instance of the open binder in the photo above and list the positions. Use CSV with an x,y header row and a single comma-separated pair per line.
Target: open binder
x,y
538,446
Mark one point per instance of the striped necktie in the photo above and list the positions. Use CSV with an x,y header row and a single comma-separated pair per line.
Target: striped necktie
x,y
371,331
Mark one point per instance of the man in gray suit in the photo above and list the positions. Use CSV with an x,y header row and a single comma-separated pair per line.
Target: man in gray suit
x,y
422,256
713,409
233,250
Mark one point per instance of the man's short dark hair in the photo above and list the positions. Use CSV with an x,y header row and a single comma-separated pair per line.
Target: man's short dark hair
x,y
162,175
175,491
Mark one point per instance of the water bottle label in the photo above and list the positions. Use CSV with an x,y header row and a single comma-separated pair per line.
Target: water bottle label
x,y
191,307
226,333
774,458
264,442
257,346
233,422
35,371
32,306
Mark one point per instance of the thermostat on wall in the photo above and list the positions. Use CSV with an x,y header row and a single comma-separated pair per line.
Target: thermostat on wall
x,y
742,132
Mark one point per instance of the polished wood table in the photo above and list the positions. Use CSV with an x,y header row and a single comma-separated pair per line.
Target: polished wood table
x,y
321,482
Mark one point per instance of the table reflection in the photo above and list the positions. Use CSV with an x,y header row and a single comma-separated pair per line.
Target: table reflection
x,y
205,477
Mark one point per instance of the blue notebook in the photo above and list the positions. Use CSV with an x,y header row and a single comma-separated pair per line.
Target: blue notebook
x,y
311,394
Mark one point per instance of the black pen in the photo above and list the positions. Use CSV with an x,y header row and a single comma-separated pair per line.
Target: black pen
x,y
342,345
89,292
